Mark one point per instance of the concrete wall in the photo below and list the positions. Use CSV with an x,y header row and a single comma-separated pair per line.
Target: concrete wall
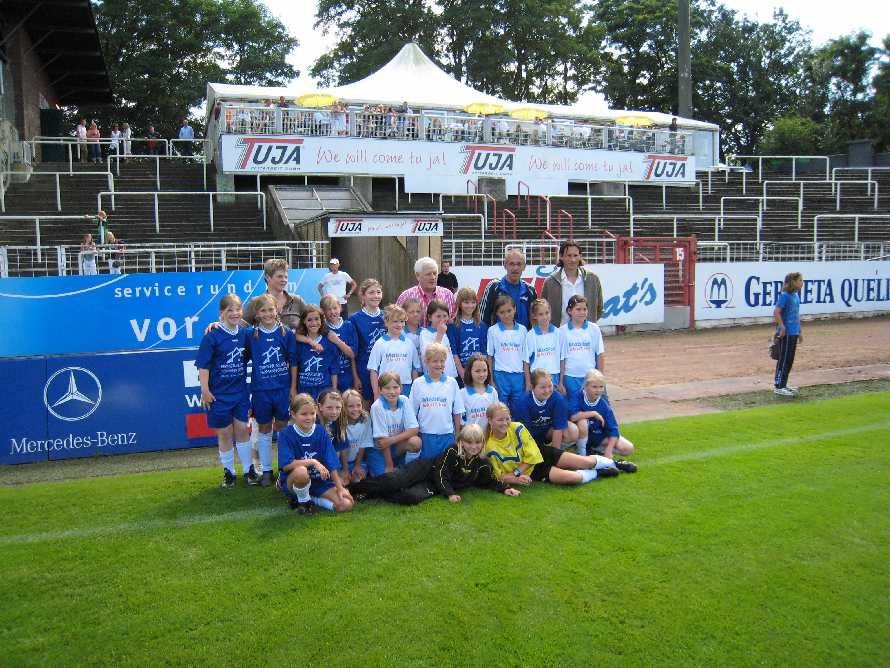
x,y
28,83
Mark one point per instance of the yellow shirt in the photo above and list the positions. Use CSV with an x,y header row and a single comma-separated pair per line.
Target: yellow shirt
x,y
509,452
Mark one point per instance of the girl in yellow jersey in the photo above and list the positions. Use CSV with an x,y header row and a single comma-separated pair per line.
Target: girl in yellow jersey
x,y
518,460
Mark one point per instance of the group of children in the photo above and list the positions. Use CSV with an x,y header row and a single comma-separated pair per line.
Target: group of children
x,y
379,406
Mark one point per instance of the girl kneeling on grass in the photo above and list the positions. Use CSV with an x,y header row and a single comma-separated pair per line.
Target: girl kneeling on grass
x,y
222,370
517,459
460,466
308,464
597,426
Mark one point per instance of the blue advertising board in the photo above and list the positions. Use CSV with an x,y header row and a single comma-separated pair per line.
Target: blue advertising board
x,y
57,315
87,405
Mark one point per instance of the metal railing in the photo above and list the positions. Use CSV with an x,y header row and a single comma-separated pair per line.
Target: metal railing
x,y
855,217
792,158
5,183
140,258
72,145
490,252
718,222
791,251
868,170
157,158
261,200
446,126
835,188
36,220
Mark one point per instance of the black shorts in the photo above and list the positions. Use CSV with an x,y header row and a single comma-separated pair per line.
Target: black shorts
x,y
551,455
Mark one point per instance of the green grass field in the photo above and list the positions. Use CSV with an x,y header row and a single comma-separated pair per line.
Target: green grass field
x,y
755,537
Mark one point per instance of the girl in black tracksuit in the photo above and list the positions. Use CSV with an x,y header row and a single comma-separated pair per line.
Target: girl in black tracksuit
x,y
459,467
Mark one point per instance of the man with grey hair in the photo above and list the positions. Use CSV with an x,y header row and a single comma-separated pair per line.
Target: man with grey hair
x,y
512,285
426,270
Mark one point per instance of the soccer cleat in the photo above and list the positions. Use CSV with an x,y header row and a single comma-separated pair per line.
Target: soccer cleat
x,y
305,508
606,473
793,389
266,480
625,466
251,478
783,392
228,481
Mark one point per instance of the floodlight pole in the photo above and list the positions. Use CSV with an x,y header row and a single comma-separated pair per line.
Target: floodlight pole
x,y
684,64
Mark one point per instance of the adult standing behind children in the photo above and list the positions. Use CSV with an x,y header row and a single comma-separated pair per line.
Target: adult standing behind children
x,y
290,307
446,279
426,270
787,317
511,285
339,284
569,279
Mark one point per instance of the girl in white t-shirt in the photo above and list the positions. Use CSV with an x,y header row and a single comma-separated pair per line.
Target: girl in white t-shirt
x,y
478,392
543,346
583,347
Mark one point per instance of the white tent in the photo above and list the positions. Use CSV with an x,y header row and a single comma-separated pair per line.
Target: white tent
x,y
412,77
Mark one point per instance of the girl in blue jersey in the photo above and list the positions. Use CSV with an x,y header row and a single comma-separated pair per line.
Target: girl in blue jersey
x,y
347,374
316,371
222,369
471,334
439,331
308,466
273,382
359,434
543,346
545,413
506,350
369,326
597,425
332,418
478,393
583,347
413,318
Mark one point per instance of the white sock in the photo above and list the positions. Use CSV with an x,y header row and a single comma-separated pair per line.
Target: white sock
x,y
302,493
581,445
411,456
227,459
264,444
587,475
244,455
604,462
322,502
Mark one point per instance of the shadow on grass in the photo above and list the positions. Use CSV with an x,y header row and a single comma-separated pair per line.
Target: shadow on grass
x,y
807,394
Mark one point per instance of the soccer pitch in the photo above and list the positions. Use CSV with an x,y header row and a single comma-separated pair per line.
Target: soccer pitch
x,y
755,537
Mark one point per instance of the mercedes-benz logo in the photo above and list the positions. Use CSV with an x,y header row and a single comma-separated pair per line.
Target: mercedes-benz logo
x,y
72,393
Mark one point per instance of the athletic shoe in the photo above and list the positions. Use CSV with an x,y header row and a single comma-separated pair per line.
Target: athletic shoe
x,y
251,478
305,508
228,481
793,389
606,473
359,497
266,480
783,392
625,466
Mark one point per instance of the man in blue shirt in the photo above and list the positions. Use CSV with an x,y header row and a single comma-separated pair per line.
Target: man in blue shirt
x,y
523,294
186,132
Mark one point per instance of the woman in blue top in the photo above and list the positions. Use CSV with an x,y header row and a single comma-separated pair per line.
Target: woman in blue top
x,y
787,317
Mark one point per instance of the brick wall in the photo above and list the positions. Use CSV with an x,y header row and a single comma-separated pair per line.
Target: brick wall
x,y
28,82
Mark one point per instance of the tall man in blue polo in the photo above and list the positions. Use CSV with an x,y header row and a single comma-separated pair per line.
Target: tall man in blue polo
x,y
511,284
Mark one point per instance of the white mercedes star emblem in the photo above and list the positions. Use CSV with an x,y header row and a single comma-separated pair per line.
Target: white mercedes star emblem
x,y
71,402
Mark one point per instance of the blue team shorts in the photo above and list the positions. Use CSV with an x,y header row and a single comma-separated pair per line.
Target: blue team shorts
x,y
432,445
510,385
374,463
555,378
344,381
226,408
573,384
313,391
365,376
406,390
317,487
271,404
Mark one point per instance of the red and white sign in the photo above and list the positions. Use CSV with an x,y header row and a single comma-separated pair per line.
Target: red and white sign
x,y
446,166
357,226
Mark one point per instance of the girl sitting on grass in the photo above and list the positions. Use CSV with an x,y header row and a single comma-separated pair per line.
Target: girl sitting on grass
x,y
597,427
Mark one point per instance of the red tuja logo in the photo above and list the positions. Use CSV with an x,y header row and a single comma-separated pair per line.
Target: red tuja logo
x,y
482,158
665,167
270,151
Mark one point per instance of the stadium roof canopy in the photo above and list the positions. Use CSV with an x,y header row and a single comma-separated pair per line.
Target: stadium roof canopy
x,y
63,34
411,76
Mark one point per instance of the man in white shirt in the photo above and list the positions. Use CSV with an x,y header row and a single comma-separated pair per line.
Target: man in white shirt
x,y
337,283
81,133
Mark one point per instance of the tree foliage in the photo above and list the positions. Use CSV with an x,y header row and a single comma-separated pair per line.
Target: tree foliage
x,y
161,55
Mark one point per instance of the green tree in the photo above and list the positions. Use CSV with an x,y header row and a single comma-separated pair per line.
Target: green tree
x,y
793,135
878,119
161,55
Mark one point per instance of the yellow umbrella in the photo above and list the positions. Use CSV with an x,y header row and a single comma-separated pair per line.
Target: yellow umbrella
x,y
484,108
316,100
634,121
529,114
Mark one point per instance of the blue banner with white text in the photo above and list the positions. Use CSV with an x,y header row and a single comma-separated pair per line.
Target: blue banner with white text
x,y
57,315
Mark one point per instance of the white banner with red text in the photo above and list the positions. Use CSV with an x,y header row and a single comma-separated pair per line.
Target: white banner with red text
x,y
447,167
384,226
633,294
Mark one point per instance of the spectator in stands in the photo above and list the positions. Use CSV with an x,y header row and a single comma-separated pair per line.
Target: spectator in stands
x,y
186,133
80,132
115,253
426,270
282,103
339,126
446,279
339,284
88,255
290,307
512,284
154,146
126,138
94,150
115,145
571,278
102,225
